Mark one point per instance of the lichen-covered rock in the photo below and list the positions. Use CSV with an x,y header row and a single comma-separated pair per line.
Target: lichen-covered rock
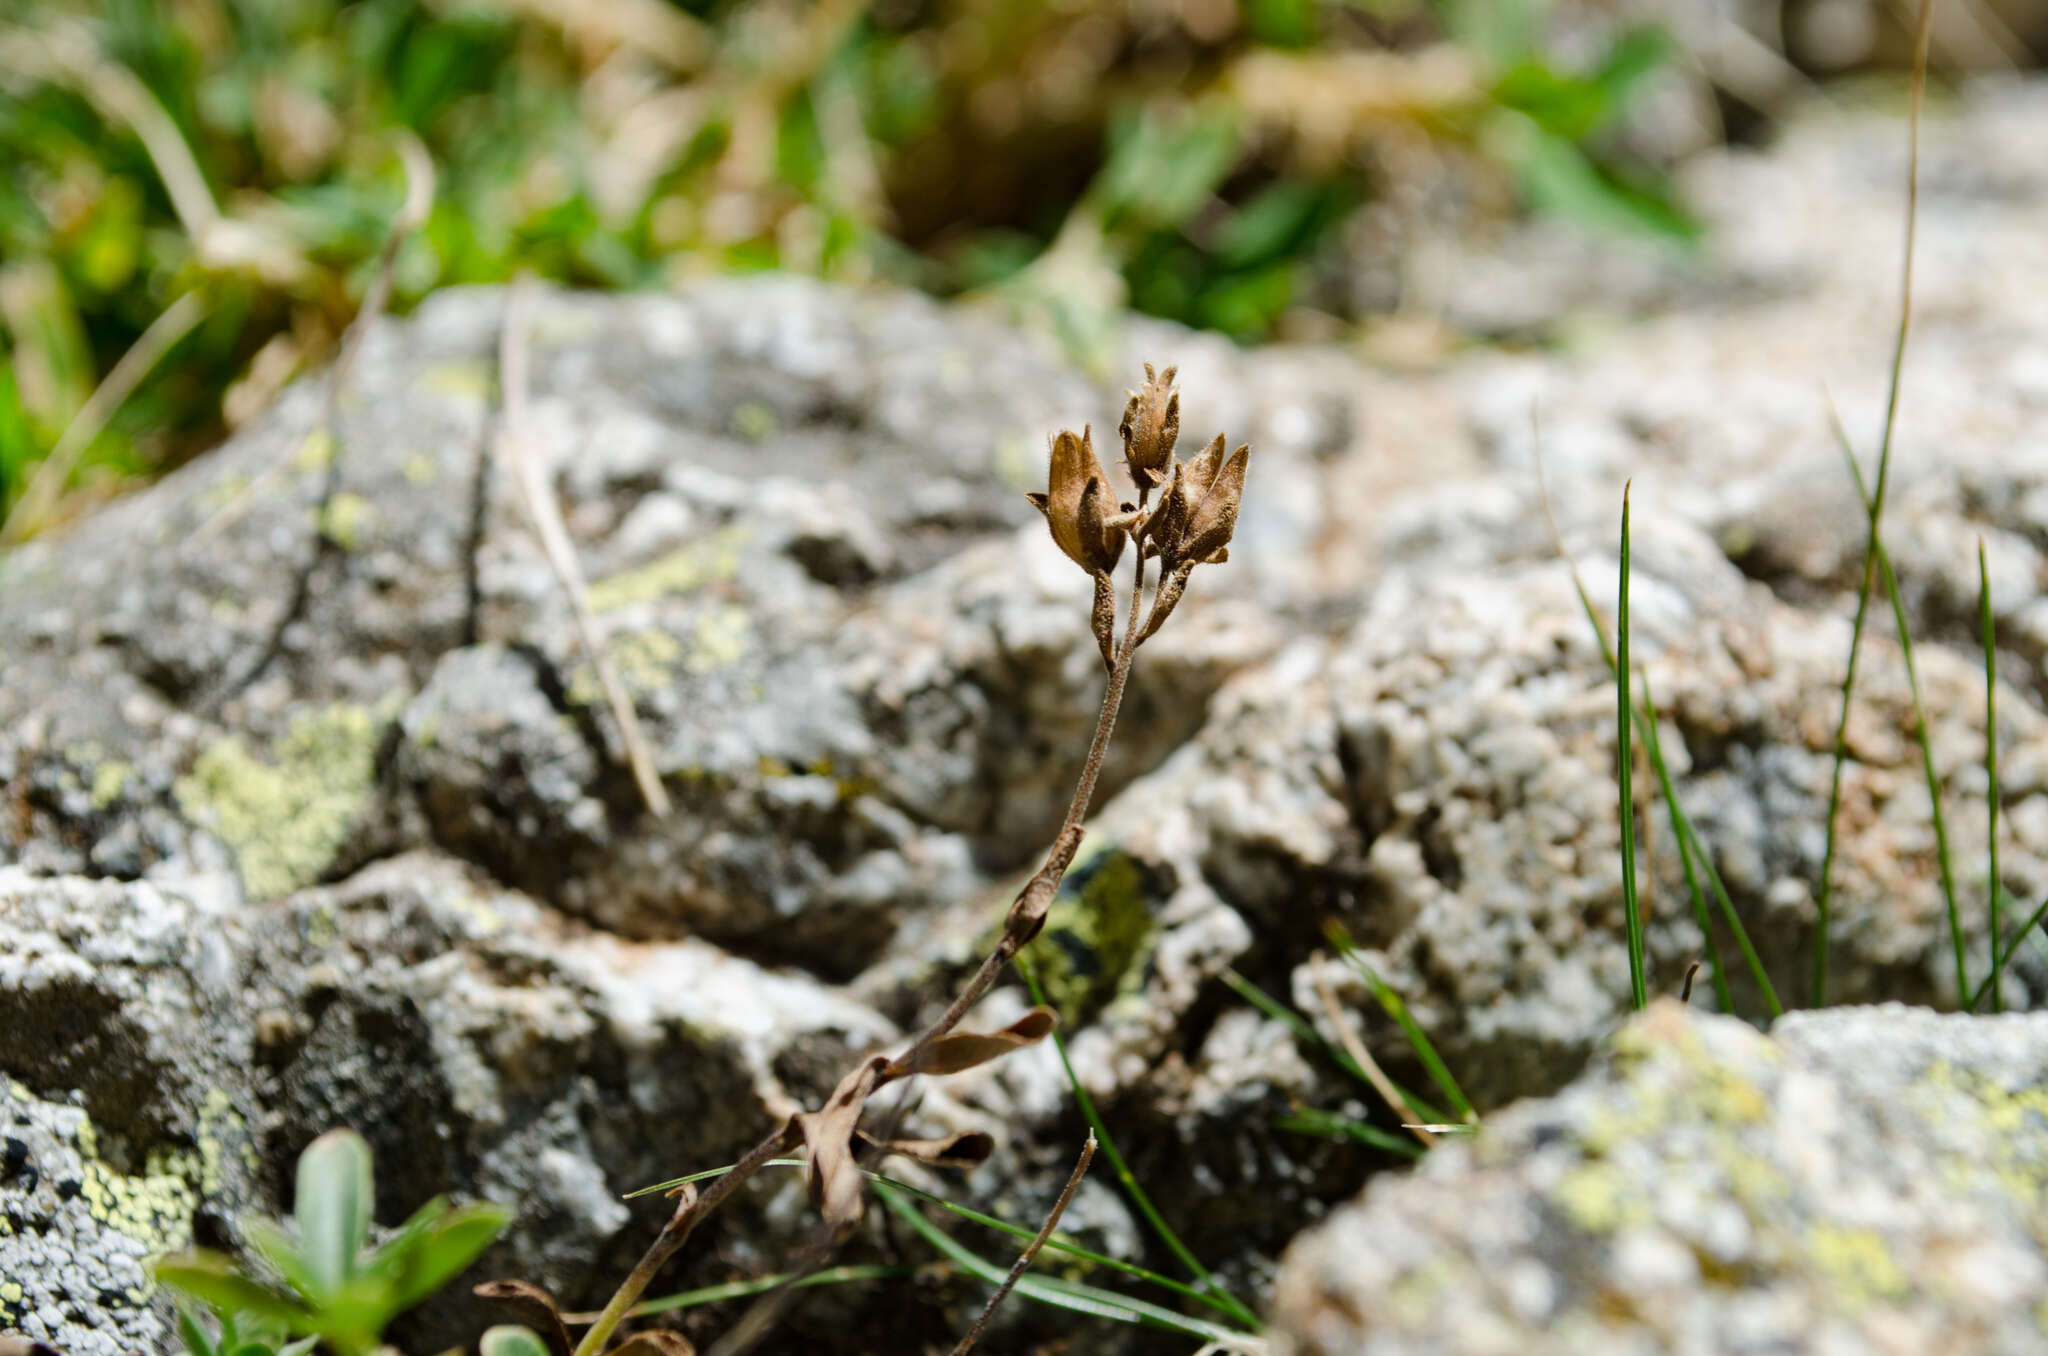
x,y
1864,1179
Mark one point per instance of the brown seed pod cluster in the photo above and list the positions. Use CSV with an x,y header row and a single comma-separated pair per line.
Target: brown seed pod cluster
x,y
1190,525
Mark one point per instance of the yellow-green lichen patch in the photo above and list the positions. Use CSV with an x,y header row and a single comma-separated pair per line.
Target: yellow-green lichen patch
x,y
681,571
647,660
754,421
345,518
1856,1264
154,1207
2016,1132
464,381
109,780
287,817
420,470
1600,1198
1096,932
719,641
316,452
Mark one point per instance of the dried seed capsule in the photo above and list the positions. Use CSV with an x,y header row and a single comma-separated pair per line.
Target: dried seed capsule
x,y
1150,427
1078,504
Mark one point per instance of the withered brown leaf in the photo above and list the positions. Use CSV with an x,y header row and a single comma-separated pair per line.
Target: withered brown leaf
x,y
965,1049
966,1149
834,1176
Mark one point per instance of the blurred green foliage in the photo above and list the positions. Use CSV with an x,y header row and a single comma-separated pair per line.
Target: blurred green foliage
x,y
1070,158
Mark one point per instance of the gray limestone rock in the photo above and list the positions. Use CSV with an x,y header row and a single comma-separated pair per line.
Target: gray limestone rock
x,y
1865,1179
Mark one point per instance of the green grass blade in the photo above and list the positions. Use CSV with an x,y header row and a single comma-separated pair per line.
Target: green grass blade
x,y
1330,1125
1129,1180
672,1183
1439,1072
1624,760
1985,623
1875,502
1944,859
1681,823
1056,1244
1086,1299
2003,955
1306,1036
712,1294
1653,744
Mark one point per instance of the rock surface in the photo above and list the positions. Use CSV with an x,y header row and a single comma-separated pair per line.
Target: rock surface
x,y
310,813
1860,1180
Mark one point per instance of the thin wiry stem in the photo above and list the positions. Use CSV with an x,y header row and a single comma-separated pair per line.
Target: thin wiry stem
x,y
1823,907
1991,771
1031,1249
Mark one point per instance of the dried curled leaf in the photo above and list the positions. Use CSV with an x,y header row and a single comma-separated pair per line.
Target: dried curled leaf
x,y
965,1049
1078,505
24,1346
532,1307
1027,912
834,1179
967,1149
1150,427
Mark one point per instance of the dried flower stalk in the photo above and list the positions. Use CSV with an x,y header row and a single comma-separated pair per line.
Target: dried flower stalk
x,y
1191,525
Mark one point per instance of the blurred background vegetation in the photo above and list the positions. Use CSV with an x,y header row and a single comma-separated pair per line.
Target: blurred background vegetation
x,y
206,186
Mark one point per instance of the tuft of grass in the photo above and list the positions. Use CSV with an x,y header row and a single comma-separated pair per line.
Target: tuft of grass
x,y
1993,888
1624,759
1692,854
1129,1181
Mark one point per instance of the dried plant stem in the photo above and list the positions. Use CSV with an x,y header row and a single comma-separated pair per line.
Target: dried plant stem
x,y
561,552
1411,1120
1030,1253
1044,883
141,358
690,1209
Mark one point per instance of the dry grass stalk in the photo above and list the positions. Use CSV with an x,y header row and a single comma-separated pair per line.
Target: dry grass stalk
x,y
1411,1121
47,484
541,506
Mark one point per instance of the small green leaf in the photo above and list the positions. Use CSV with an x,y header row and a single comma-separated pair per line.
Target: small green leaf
x,y
511,1340
274,1246
303,1347
212,1279
335,1189
442,1252
194,1337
